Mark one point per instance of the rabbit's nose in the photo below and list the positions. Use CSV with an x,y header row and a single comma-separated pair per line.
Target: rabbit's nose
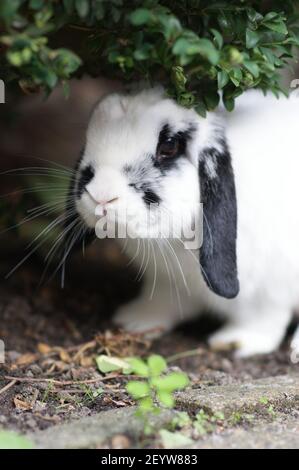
x,y
101,208
105,202
101,202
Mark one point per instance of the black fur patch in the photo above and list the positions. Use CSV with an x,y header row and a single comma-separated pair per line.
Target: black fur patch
x,y
85,177
150,197
74,192
218,257
165,164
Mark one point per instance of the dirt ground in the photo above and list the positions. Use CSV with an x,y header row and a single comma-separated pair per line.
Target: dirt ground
x,y
52,337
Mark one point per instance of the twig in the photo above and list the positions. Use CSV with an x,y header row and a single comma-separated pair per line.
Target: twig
x,y
54,419
9,385
182,355
58,382
83,348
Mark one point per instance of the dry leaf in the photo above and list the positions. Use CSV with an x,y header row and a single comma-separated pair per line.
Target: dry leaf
x,y
86,361
64,356
25,359
44,348
21,404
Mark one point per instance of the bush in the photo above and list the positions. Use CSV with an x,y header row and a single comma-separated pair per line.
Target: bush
x,y
194,47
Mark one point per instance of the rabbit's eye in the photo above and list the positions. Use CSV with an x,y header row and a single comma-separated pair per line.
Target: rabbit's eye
x,y
169,148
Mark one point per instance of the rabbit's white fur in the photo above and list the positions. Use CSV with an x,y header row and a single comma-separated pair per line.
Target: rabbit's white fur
x,y
262,136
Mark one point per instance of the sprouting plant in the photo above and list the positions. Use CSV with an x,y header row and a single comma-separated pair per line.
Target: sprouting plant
x,y
271,411
180,420
205,423
235,418
269,407
201,423
47,392
264,401
156,389
89,394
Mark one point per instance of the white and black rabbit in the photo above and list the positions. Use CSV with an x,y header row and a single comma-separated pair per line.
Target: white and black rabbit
x,y
143,149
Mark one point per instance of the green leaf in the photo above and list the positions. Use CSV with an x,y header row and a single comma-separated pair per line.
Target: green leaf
x,y
254,15
12,440
8,9
137,389
65,62
110,364
140,16
201,110
181,419
271,16
222,79
229,103
204,47
82,7
269,55
174,440
236,76
146,405
179,78
252,67
156,364
173,381
36,4
211,99
165,398
218,39
138,366
143,52
171,27
252,38
278,27
50,78
182,46
186,99
43,16
15,58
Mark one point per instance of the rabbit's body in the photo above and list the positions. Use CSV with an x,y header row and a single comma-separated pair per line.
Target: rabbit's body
x,y
259,141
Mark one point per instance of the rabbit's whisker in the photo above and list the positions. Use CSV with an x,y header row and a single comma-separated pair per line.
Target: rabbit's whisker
x,y
57,243
177,291
166,266
34,249
155,270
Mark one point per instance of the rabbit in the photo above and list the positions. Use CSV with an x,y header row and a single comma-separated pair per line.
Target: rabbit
x,y
235,176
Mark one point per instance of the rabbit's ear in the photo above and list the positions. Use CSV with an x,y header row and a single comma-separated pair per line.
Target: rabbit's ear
x,y
218,257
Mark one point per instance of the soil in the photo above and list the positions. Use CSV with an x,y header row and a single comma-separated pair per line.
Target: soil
x,y
53,335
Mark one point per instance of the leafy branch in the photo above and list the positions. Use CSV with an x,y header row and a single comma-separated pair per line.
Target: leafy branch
x,y
194,47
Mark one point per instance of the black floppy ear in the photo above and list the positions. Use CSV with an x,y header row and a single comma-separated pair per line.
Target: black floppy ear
x,y
218,257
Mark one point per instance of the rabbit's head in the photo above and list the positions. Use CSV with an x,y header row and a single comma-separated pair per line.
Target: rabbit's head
x,y
148,163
